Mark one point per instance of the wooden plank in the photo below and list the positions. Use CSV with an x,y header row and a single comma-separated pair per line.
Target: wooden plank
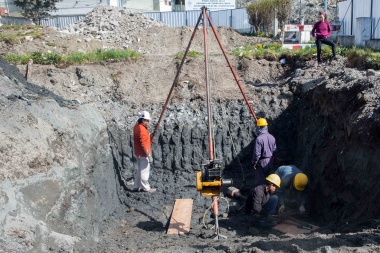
x,y
294,227
181,217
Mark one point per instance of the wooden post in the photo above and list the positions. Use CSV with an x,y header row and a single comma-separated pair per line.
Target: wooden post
x,y
28,74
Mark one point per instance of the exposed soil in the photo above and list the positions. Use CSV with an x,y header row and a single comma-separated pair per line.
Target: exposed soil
x,y
326,120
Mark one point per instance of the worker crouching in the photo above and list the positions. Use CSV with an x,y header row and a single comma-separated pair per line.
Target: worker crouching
x,y
262,203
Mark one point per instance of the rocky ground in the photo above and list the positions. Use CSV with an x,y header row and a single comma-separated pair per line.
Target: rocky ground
x,y
67,163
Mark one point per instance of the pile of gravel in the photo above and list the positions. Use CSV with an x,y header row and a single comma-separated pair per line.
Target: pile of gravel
x,y
112,24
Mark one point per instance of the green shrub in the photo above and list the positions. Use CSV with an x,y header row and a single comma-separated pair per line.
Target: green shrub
x,y
342,51
356,57
16,58
74,58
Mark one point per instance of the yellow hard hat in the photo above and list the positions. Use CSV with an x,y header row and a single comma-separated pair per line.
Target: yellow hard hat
x,y
274,179
262,122
300,181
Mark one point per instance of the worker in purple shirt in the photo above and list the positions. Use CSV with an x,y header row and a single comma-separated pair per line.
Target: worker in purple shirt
x,y
265,146
321,32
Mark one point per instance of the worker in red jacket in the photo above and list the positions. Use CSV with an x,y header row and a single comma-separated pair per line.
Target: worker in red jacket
x,y
321,32
143,152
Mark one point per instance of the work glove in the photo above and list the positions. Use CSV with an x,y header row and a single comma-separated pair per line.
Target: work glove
x,y
281,209
150,159
302,209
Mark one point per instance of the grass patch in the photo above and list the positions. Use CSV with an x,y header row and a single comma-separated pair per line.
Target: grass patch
x,y
16,34
367,58
50,44
10,39
190,54
18,27
356,57
98,56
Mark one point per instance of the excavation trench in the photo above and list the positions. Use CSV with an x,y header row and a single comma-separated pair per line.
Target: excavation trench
x,y
326,123
66,146
320,131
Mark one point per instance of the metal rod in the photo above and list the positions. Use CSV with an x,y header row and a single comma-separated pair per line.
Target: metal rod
x,y
230,66
175,82
371,37
208,90
300,11
352,16
216,214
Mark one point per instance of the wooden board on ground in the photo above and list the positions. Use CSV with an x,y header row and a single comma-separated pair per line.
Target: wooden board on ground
x,y
294,227
181,217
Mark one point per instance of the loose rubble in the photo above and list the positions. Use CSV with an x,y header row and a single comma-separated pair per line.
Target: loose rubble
x,y
112,24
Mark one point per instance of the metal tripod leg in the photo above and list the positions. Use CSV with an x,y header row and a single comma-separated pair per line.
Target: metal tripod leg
x,y
217,235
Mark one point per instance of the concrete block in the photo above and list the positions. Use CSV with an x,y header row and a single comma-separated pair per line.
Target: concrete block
x,y
363,30
374,44
346,40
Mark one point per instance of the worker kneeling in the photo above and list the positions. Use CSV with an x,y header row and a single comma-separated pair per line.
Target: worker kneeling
x,y
295,183
262,203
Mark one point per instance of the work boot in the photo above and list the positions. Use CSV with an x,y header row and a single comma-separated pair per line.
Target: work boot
x,y
151,190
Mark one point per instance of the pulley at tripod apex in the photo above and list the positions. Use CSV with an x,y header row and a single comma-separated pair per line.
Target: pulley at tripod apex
x,y
209,180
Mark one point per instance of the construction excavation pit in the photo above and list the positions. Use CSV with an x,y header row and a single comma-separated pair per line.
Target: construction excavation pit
x,y
68,163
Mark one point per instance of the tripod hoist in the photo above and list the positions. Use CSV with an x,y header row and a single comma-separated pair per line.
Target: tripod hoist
x,y
209,181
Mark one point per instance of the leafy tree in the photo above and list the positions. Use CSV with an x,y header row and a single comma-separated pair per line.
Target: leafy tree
x,y
262,13
254,13
268,8
36,9
283,8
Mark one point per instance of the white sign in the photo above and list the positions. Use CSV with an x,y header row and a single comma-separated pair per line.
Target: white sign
x,y
298,28
212,5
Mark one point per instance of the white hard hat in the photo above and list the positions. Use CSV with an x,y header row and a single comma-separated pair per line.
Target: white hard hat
x,y
144,115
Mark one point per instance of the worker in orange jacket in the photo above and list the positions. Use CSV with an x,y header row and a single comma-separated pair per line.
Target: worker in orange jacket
x,y
143,152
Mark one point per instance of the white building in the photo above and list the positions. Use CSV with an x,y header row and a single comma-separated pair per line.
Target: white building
x,y
147,5
82,7
359,22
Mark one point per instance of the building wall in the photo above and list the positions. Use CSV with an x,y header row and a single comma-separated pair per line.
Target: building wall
x,y
64,7
9,5
139,5
348,16
165,5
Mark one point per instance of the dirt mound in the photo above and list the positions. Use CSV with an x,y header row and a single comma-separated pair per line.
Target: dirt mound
x,y
112,24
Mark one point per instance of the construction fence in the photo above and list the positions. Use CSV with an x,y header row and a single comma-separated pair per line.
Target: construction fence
x,y
5,20
237,19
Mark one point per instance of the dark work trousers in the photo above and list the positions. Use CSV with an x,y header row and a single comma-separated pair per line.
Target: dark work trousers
x,y
263,169
270,206
326,41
